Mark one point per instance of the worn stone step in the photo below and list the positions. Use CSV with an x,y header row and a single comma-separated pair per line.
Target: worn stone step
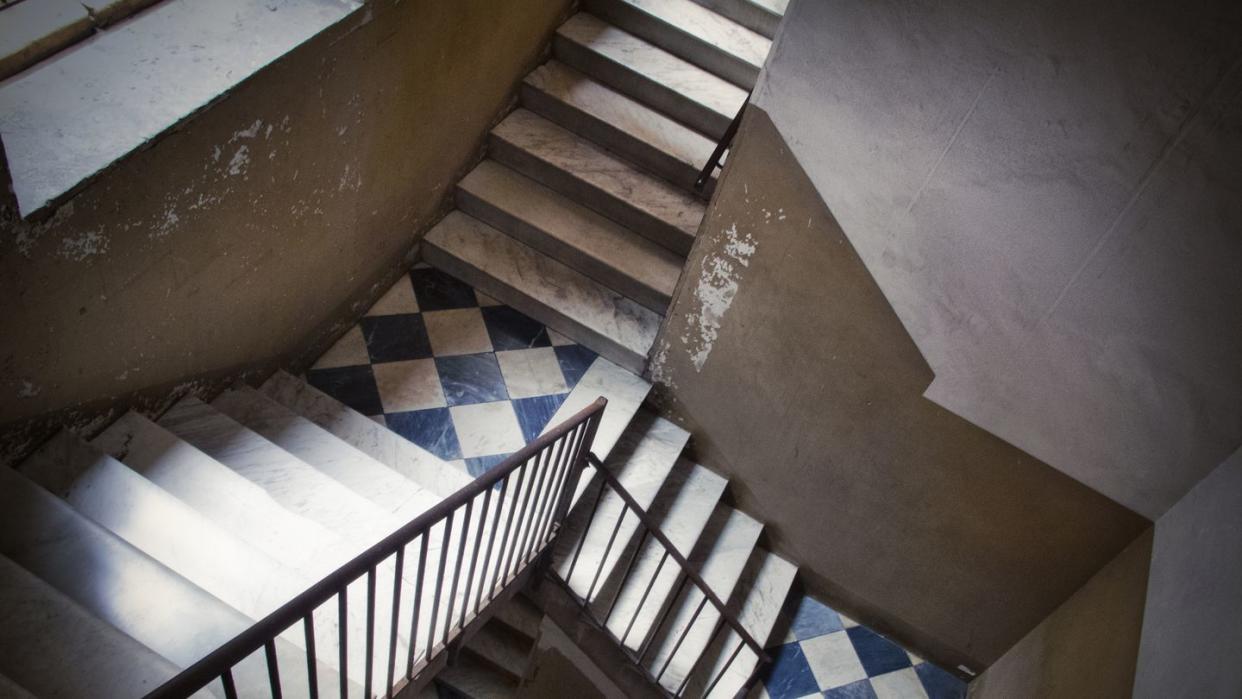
x,y
693,32
570,233
651,75
366,435
597,179
52,647
621,124
520,615
760,16
501,647
473,678
559,297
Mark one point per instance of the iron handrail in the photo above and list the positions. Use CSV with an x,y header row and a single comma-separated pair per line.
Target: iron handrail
x,y
726,141
218,664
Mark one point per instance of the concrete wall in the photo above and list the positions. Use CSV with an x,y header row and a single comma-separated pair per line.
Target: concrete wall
x,y
1049,194
1087,647
784,358
177,265
1192,627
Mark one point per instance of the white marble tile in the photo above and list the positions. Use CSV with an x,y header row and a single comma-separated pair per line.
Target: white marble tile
x,y
531,372
902,684
378,419
485,300
398,299
487,428
833,660
558,340
349,350
457,331
847,622
409,385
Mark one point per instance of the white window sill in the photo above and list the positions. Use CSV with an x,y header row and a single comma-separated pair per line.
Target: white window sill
x,y
72,116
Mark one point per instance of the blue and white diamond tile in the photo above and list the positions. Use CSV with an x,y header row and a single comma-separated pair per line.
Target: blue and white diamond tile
x,y
456,372
827,654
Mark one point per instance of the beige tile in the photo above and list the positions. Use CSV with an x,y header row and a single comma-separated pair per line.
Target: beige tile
x,y
485,300
398,299
459,331
558,340
531,372
833,660
350,350
487,428
411,385
902,684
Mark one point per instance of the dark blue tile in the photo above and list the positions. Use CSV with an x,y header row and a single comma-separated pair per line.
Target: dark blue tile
x,y
430,429
854,690
878,654
789,675
479,465
510,330
471,378
940,684
574,361
437,291
395,338
352,385
813,618
533,414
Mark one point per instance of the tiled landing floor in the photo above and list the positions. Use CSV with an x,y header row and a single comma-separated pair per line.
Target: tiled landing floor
x,y
826,654
461,375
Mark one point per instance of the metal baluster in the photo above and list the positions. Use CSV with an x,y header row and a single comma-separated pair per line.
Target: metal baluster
x,y
396,613
366,685
586,531
607,550
342,627
561,472
230,689
629,568
312,674
521,517
474,559
725,669
541,469
491,539
655,631
643,600
418,603
461,553
273,669
681,639
435,599
498,574
703,654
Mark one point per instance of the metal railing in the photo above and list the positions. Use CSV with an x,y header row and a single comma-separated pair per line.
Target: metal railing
x,y
726,141
525,499
698,679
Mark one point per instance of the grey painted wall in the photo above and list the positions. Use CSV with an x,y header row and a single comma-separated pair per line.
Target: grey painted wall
x,y
1192,626
1050,196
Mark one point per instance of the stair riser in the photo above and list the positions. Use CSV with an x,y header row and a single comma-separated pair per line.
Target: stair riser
x,y
538,239
550,317
636,151
754,17
651,93
676,41
602,202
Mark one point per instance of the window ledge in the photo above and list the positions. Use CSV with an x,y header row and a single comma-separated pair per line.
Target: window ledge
x,y
68,118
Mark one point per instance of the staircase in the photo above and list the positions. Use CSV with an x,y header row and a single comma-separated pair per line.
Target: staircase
x,y
134,554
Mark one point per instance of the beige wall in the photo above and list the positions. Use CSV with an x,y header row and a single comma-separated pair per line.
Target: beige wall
x,y
1088,646
801,384
174,267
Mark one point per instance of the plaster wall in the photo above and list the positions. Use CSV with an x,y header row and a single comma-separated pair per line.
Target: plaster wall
x,y
253,232
786,361
1049,194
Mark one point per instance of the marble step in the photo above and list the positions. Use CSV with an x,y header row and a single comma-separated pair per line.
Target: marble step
x,y
625,392
683,509
642,462
312,444
570,233
760,16
365,435
594,177
501,647
764,587
157,523
127,589
621,124
648,74
554,294
475,679
728,543
520,615
44,634
693,32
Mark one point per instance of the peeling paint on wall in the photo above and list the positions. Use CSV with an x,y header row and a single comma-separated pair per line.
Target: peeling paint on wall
x,y
88,244
717,287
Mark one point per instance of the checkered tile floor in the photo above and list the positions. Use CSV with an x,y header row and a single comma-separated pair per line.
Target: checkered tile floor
x,y
460,374
827,654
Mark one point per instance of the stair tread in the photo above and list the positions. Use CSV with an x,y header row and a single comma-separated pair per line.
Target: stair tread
x,y
760,16
683,509
365,435
618,184
656,66
502,647
560,297
668,139
326,452
625,392
477,679
707,26
44,633
520,615
582,239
